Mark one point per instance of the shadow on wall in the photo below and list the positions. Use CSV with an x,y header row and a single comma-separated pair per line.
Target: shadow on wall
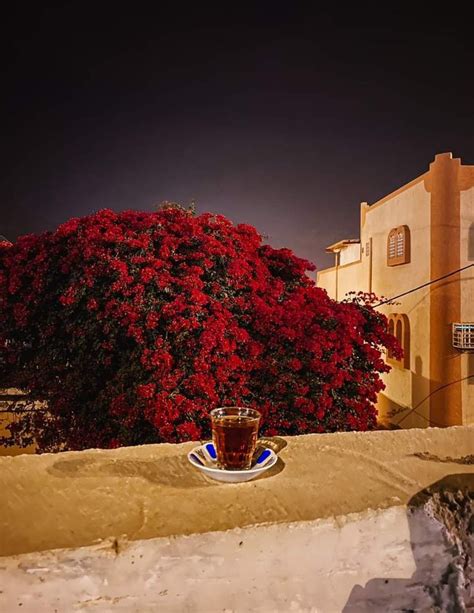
x,y
420,390
470,257
470,243
417,415
441,522
173,472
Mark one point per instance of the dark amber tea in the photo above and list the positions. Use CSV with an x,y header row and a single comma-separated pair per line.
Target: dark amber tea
x,y
234,433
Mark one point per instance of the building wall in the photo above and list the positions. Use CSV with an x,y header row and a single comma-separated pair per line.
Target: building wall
x,y
7,418
445,372
405,400
350,254
467,291
338,281
438,208
327,279
405,388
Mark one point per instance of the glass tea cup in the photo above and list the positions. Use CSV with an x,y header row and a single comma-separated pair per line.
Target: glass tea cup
x,y
234,434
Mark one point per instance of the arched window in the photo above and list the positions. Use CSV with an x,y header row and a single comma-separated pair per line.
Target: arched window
x,y
398,246
391,325
399,331
399,326
391,329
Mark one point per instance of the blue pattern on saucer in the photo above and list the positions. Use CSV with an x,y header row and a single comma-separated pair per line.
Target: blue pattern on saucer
x,y
211,450
204,458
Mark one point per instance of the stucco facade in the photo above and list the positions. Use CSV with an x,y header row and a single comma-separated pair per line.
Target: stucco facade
x,y
467,292
436,384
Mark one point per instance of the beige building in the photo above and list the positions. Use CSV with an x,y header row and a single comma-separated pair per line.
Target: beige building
x,y
416,235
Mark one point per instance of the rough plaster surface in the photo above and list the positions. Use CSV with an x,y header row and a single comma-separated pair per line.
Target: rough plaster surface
x,y
345,522
73,499
281,567
374,561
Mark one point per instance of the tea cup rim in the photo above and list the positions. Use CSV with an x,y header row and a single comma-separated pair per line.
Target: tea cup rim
x,y
215,411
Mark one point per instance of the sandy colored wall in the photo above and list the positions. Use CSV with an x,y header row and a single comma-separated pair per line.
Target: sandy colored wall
x,y
405,387
350,564
338,282
351,278
336,525
327,280
443,182
467,297
350,254
7,418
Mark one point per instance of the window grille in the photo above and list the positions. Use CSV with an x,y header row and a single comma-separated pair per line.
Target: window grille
x,y
391,247
398,246
463,336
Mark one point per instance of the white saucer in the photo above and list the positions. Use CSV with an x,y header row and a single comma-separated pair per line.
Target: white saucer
x,y
204,458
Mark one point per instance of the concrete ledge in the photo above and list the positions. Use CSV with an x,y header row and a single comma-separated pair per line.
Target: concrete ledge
x,y
346,522
77,498
317,566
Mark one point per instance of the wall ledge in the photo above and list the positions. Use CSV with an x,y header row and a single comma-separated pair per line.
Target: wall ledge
x,y
76,499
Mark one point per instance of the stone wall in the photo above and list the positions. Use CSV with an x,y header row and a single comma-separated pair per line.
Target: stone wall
x,y
349,521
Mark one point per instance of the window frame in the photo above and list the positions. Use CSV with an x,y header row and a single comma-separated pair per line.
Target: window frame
x,y
399,326
394,258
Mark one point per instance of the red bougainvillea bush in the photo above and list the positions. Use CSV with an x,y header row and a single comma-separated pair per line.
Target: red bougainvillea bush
x,y
130,327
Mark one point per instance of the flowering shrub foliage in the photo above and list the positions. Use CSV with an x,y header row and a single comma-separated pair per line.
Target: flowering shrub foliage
x,y
132,326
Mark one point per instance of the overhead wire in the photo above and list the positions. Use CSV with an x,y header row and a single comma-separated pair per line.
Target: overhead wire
x,y
393,298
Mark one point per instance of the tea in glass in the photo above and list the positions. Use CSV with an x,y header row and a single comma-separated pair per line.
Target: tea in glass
x,y
234,434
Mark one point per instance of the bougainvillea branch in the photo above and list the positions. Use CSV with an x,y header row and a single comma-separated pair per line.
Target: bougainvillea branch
x,y
132,326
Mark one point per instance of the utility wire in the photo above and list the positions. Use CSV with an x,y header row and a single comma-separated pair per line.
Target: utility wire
x,y
424,285
413,410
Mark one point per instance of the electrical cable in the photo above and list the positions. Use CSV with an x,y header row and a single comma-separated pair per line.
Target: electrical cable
x,y
410,291
413,410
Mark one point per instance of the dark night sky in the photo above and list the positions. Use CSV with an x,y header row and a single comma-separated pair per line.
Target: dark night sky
x,y
272,116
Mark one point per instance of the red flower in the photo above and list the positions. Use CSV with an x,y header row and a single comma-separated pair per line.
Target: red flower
x,y
147,274
146,391
69,297
295,364
151,320
188,432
